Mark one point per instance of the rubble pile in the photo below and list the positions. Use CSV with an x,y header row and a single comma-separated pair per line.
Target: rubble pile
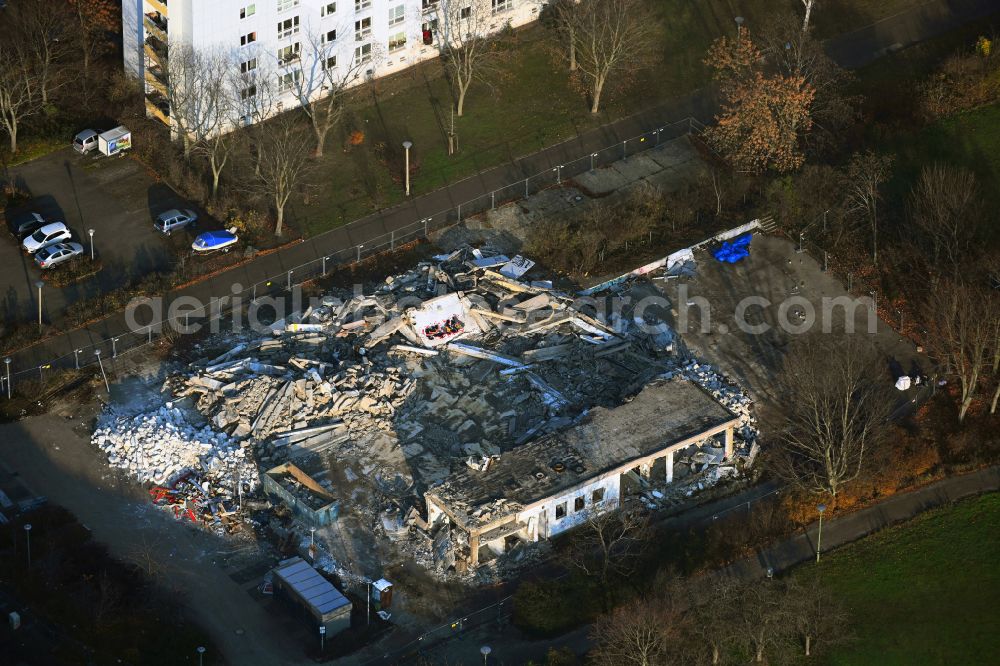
x,y
198,471
728,393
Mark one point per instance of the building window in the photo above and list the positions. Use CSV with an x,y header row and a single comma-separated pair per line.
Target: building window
x,y
249,10
288,27
289,54
501,5
248,92
362,29
397,41
597,496
249,65
284,5
465,13
328,8
287,81
330,63
578,504
428,4
427,31
362,4
363,53
397,15
329,37
560,511
248,38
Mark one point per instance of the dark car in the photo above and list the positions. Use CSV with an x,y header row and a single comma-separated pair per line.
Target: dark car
x,y
22,226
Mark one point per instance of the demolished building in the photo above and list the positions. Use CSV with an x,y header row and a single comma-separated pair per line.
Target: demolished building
x,y
552,484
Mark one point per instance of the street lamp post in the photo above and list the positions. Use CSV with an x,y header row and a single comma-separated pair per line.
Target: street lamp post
x,y
39,284
406,146
819,536
91,232
485,651
201,655
6,362
27,535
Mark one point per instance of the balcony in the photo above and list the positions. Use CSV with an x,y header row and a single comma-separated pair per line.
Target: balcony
x,y
159,6
157,107
154,80
156,52
155,26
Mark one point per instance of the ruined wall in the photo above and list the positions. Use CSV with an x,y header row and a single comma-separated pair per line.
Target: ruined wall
x,y
541,521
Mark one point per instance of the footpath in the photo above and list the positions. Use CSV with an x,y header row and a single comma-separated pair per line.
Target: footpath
x,y
854,49
510,646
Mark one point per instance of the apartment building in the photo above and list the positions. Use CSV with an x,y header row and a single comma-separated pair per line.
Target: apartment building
x,y
290,39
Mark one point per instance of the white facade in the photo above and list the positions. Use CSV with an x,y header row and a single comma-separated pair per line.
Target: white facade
x,y
266,35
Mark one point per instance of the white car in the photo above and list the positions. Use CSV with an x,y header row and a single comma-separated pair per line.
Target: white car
x,y
85,141
50,234
172,220
53,255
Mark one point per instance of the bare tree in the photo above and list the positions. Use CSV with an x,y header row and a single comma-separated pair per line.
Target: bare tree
x,y
18,100
643,632
962,322
562,18
42,32
819,617
836,412
794,52
197,93
763,619
608,543
809,8
322,88
470,50
613,39
281,159
946,209
866,173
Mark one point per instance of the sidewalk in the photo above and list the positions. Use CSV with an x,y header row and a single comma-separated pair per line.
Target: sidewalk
x,y
511,647
852,49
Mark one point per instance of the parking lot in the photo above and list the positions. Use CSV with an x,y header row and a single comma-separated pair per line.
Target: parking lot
x,y
117,198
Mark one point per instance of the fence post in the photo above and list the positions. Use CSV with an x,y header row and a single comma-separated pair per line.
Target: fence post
x,y
324,266
426,220
493,200
625,149
149,329
114,347
359,252
824,260
289,280
76,358
658,130
459,213
526,187
592,156
558,174
392,239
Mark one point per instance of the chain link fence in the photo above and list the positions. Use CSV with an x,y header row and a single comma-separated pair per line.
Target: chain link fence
x,y
21,374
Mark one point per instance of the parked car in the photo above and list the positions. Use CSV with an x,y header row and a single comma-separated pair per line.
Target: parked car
x,y
85,141
55,232
24,225
53,255
172,220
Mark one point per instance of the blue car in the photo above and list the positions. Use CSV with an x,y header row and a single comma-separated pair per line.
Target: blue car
x,y
212,241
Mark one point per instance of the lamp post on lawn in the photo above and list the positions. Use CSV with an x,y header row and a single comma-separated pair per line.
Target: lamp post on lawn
x,y
6,362
39,284
406,146
201,655
819,537
91,232
485,651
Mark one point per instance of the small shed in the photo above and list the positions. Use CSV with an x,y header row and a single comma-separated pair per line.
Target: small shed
x,y
308,500
301,583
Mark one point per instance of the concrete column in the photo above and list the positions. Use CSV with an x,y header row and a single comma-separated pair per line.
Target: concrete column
x,y
644,470
670,466
474,547
729,442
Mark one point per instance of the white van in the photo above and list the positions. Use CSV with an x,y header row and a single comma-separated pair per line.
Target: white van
x,y
85,141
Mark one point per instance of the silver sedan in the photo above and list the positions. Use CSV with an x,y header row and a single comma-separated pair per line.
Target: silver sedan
x,y
53,255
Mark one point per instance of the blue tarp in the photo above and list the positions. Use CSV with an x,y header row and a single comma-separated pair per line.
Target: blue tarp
x,y
735,250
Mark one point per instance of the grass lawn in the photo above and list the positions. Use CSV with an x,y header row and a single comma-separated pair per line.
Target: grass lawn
x,y
926,592
534,105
